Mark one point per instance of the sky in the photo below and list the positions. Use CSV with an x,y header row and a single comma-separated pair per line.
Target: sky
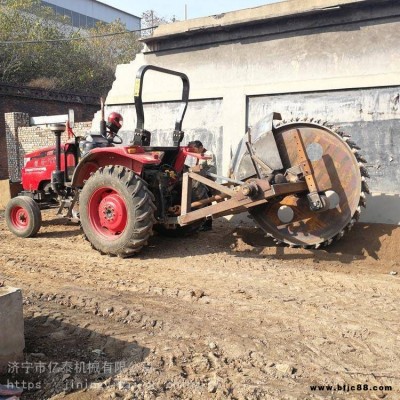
x,y
176,8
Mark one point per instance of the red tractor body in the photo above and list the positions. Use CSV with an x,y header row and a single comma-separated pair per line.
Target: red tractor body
x,y
40,164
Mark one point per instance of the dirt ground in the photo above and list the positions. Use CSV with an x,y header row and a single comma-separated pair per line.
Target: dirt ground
x,y
223,314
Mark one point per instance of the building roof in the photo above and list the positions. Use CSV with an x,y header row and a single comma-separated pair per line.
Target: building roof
x,y
246,16
115,8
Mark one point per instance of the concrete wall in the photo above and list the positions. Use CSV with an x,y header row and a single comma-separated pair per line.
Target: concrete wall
x,y
330,59
12,341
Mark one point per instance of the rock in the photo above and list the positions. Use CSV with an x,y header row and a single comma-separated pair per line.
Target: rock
x,y
212,386
212,345
200,364
285,369
393,273
198,293
98,352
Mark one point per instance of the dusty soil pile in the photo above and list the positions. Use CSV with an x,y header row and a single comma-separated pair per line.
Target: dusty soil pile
x,y
223,314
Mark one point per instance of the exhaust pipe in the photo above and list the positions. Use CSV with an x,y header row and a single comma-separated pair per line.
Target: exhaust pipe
x,y
58,176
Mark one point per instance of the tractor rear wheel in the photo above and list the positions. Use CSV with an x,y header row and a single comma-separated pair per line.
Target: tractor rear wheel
x,y
23,216
116,211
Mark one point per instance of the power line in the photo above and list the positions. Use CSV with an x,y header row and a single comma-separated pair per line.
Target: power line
x,y
10,42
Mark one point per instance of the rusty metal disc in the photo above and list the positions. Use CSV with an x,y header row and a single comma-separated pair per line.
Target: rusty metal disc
x,y
336,171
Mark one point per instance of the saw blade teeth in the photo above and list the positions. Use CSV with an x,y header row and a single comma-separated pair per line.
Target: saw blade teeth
x,y
365,187
363,170
361,158
317,246
362,203
328,242
365,173
363,196
353,145
339,235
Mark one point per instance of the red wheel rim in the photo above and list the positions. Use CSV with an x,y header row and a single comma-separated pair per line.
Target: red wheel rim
x,y
19,218
107,212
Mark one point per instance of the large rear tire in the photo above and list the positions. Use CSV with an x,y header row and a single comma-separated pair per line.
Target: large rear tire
x,y
23,216
116,211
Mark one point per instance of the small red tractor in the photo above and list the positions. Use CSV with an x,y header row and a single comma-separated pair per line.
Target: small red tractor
x,y
303,182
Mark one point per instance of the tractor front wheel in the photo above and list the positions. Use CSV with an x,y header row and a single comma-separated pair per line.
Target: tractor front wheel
x,y
116,211
23,216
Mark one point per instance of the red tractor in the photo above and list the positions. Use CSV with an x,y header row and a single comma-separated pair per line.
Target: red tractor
x,y
302,181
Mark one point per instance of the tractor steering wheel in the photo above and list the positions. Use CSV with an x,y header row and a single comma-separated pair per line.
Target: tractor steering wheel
x,y
112,140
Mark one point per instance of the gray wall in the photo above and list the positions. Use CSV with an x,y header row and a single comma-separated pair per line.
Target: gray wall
x,y
338,63
370,116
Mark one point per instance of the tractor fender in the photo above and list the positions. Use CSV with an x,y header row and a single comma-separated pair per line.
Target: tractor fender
x,y
134,158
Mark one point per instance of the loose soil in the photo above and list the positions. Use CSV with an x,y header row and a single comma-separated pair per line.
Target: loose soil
x,y
224,314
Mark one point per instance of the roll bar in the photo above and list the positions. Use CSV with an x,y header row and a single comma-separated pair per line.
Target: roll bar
x,y
142,137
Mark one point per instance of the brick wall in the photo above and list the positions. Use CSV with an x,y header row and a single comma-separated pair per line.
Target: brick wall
x,y
22,139
38,102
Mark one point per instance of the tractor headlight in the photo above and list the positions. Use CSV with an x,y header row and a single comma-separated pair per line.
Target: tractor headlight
x,y
26,160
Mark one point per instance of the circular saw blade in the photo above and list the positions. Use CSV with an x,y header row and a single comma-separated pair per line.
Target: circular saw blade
x,y
336,170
